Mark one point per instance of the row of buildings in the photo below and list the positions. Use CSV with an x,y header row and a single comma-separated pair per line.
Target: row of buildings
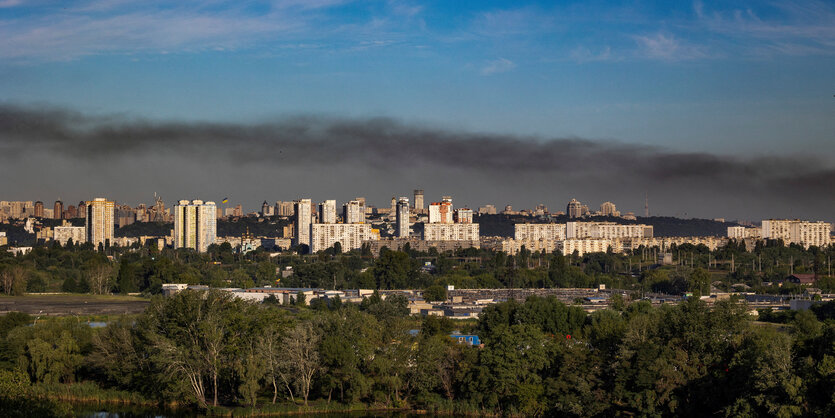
x,y
321,229
790,231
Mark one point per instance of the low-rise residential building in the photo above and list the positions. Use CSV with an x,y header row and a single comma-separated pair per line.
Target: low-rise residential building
x,y
513,246
416,244
583,246
742,232
67,232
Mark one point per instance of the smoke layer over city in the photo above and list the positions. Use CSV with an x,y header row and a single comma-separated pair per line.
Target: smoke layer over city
x,y
79,156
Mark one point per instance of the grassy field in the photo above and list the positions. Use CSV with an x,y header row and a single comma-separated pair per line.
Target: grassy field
x,y
73,304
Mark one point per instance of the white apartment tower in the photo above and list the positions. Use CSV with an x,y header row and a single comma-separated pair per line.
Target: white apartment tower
x,y
327,212
402,228
195,224
304,213
464,216
100,221
441,212
418,199
353,212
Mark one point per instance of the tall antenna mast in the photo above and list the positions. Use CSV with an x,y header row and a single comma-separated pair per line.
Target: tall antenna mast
x,y
646,204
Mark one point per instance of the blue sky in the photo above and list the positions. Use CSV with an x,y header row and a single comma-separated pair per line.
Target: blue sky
x,y
750,78
729,76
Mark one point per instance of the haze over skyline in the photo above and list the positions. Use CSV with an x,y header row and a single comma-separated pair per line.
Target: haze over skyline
x,y
714,109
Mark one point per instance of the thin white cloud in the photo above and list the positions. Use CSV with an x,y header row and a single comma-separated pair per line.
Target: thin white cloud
x,y
75,36
96,27
512,22
667,47
793,27
497,66
582,54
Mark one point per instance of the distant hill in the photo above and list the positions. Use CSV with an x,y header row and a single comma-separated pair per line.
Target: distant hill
x,y
663,226
269,227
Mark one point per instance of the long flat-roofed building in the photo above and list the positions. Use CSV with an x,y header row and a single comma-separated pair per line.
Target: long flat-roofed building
x,y
536,232
742,232
607,230
450,232
349,236
796,231
583,246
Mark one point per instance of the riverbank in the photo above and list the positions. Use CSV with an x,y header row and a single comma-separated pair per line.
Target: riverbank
x,y
88,399
70,304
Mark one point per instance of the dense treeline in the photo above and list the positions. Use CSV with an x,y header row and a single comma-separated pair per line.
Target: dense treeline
x,y
539,357
84,269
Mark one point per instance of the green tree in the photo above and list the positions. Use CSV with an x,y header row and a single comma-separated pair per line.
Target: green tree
x,y
435,293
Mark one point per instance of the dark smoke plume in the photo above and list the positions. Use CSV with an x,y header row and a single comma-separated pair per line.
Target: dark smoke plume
x,y
390,146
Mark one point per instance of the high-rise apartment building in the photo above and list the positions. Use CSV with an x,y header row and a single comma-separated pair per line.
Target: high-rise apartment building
x,y
195,224
304,212
402,228
418,199
18,209
82,210
100,221
353,212
125,215
39,209
285,208
58,210
327,212
441,212
266,209
574,209
463,216
609,209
